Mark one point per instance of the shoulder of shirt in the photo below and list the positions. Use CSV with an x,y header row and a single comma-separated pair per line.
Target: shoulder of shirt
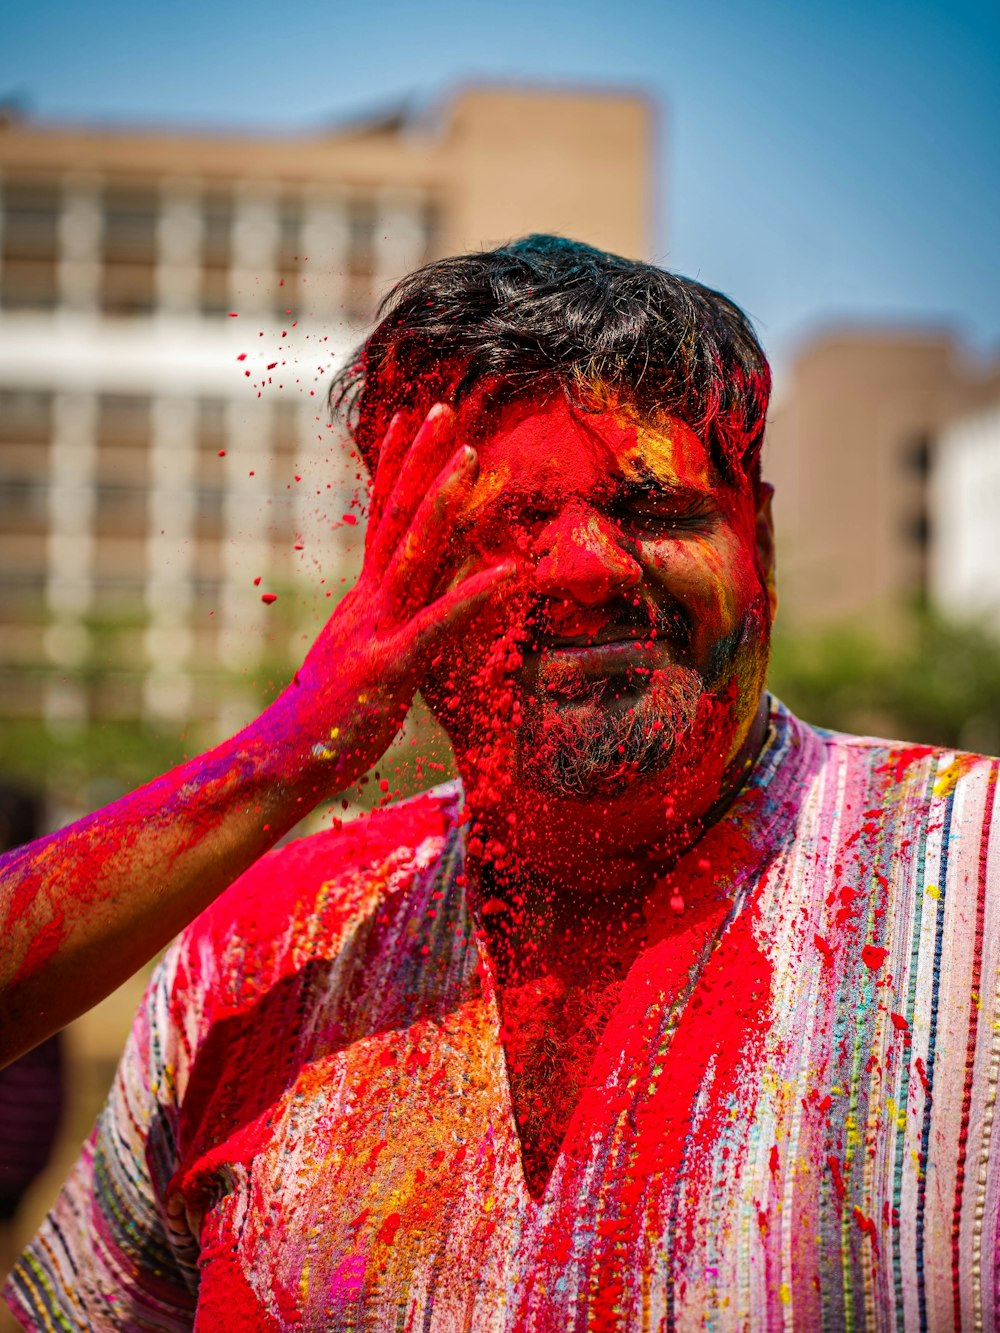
x,y
900,757
329,876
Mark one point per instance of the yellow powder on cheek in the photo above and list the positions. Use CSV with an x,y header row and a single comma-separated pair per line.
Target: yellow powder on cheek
x,y
490,482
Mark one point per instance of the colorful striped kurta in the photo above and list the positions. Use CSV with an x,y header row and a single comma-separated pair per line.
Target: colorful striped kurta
x,y
312,1126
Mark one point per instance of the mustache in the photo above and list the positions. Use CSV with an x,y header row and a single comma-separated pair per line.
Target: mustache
x,y
548,623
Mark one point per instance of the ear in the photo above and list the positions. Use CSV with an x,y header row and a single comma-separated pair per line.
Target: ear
x,y
764,533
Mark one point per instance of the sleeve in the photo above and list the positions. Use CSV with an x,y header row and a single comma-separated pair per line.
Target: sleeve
x,y
109,1256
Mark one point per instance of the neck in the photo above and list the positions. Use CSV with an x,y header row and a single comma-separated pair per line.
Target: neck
x,y
540,865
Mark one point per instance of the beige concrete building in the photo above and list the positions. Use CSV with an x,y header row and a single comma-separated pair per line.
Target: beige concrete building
x,y
171,306
851,449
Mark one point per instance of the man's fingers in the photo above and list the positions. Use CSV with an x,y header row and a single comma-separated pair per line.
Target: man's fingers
x,y
395,442
456,605
415,567
420,465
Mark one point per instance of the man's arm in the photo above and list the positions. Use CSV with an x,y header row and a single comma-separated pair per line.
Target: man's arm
x,y
85,907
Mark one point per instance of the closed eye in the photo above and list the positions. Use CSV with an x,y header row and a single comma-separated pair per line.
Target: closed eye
x,y
648,512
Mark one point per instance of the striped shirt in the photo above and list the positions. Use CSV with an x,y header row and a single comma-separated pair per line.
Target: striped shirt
x,y
312,1125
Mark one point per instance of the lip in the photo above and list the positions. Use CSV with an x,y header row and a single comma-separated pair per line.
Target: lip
x,y
601,645
586,629
612,638
562,641
601,655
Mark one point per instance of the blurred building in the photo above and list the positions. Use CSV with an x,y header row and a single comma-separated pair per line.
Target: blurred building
x,y
965,517
853,447
171,306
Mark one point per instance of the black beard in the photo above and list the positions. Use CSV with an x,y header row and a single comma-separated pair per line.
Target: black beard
x,y
596,748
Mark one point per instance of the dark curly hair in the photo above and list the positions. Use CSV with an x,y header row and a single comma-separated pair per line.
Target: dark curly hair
x,y
545,315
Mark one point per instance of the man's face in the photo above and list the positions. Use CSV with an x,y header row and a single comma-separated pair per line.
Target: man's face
x,y
642,612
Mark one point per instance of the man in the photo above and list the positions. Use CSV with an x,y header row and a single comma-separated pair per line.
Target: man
x,y
32,1089
674,1013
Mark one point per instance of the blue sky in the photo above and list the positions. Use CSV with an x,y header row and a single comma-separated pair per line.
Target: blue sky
x,y
822,163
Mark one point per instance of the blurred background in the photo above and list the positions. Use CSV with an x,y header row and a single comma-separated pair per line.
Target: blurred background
x,y
200,207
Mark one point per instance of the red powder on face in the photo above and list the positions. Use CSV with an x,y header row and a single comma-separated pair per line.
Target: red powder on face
x,y
626,537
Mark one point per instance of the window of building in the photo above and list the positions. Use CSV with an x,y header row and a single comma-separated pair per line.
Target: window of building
x,y
289,259
211,471
285,450
918,456
433,226
22,593
25,416
212,432
207,593
917,529
217,228
123,420
216,251
119,595
917,459
29,284
131,219
23,503
31,219
129,247
120,509
30,245
209,511
116,695
361,218
22,691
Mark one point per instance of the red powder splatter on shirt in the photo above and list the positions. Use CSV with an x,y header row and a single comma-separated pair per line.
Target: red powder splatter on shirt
x,y
866,1225
825,949
838,1179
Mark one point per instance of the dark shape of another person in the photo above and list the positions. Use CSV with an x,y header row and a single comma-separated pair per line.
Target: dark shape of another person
x,y
674,1012
32,1091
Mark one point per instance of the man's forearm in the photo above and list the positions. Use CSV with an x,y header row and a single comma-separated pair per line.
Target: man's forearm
x,y
85,907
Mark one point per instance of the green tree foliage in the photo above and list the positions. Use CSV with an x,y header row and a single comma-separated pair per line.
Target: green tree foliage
x,y
935,682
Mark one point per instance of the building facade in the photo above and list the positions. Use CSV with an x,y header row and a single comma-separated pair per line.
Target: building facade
x,y
853,449
171,308
965,513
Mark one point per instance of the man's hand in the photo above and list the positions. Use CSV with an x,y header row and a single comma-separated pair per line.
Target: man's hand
x,y
352,693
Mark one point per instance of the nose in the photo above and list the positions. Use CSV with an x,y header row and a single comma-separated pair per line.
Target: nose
x,y
583,559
